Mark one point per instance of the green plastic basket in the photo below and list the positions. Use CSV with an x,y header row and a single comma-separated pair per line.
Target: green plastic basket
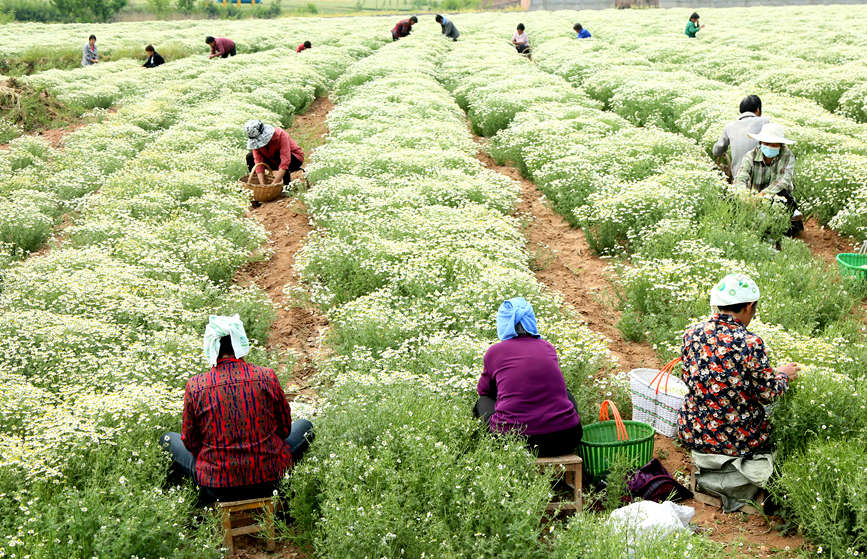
x,y
853,264
599,444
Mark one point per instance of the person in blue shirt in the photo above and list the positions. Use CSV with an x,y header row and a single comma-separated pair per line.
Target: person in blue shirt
x,y
582,33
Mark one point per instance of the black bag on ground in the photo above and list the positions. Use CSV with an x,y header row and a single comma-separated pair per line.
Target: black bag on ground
x,y
652,482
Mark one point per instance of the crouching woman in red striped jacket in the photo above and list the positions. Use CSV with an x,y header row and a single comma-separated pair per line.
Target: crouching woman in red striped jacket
x,y
238,437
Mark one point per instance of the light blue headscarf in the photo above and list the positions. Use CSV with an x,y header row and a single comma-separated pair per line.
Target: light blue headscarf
x,y
516,310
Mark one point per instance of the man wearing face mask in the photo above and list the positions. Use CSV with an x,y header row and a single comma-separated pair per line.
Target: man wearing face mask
x,y
768,170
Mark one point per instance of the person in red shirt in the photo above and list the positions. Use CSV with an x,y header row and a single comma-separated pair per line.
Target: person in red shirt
x,y
303,46
221,47
273,146
403,28
238,439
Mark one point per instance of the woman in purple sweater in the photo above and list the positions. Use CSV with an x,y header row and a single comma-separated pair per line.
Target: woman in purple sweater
x,y
522,389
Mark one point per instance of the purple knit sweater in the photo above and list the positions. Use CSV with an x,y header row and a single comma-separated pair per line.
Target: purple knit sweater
x,y
524,377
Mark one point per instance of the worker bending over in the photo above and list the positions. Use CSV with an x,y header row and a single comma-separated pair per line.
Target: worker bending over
x,y
238,439
521,40
448,28
522,390
221,47
730,380
403,28
737,133
768,169
272,146
154,58
303,46
581,33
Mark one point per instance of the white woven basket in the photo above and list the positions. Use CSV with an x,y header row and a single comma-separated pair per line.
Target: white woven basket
x,y
657,402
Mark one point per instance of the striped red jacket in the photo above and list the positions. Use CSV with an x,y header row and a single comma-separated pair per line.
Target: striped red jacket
x,y
236,418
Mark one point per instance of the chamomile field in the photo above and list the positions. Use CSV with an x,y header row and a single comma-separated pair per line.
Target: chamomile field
x,y
444,177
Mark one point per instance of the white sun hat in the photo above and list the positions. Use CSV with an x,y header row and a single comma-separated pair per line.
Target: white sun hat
x,y
734,289
771,133
258,134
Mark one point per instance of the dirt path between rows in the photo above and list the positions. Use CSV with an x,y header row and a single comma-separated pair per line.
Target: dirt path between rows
x,y
297,327
825,243
570,267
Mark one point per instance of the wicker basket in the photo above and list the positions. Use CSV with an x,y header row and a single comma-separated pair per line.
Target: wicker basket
x,y
606,440
262,193
852,264
657,398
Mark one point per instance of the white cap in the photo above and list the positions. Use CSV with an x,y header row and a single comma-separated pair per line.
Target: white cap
x,y
772,133
734,289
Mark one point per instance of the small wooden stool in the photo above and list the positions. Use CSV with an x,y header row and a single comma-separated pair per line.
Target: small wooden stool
x,y
571,463
243,511
712,501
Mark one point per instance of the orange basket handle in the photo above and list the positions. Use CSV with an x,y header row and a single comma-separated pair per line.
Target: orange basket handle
x,y
665,373
253,172
622,435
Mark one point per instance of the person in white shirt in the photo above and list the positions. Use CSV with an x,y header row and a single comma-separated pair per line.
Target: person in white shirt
x,y
521,40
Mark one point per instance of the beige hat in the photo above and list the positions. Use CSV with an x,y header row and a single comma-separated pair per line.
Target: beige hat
x,y
772,133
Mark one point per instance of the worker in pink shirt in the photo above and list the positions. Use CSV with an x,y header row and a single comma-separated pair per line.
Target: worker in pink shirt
x,y
272,146
221,47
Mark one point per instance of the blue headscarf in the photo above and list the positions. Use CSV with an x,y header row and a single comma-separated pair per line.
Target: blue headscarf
x,y
516,310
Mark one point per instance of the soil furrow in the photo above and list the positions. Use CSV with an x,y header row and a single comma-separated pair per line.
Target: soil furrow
x,y
295,327
566,263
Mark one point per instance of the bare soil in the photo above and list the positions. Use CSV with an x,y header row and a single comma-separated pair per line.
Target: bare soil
x,y
38,112
825,243
572,268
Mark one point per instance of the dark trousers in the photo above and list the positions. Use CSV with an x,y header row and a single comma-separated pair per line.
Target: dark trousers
x,y
299,439
294,165
557,443
229,53
523,49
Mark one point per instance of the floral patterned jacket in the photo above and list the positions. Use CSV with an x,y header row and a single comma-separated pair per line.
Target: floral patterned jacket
x,y
730,380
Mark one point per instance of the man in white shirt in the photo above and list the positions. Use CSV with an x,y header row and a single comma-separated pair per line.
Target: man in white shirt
x,y
521,40
736,133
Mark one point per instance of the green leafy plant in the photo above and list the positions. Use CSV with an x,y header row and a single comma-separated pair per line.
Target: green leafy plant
x,y
89,10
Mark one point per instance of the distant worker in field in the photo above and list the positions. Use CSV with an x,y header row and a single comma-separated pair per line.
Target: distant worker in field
x,y
769,168
737,133
522,389
238,438
303,46
692,26
581,32
154,58
448,27
221,47
89,55
272,146
730,381
403,28
521,40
